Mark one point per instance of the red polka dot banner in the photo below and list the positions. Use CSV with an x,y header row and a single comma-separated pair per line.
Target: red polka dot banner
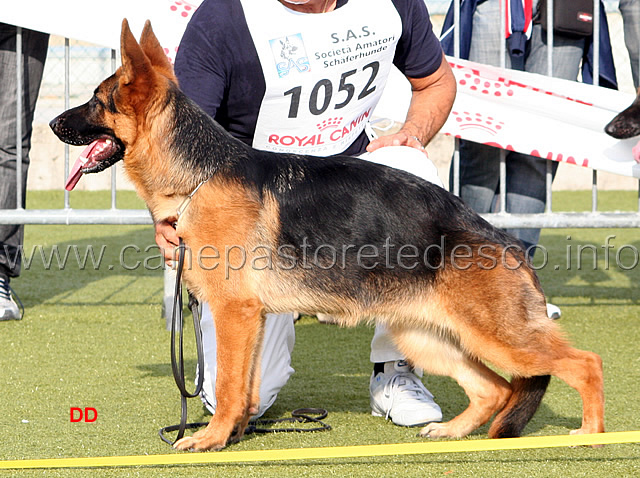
x,y
532,114
76,19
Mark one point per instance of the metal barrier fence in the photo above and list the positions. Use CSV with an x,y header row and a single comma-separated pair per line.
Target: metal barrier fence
x,y
66,215
548,219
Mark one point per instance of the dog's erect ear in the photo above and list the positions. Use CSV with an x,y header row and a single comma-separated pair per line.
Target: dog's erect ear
x,y
154,51
135,64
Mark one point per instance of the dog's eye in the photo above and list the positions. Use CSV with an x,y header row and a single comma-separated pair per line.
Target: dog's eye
x,y
95,102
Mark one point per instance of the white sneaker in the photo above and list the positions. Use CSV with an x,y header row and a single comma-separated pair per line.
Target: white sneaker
x,y
553,311
8,308
399,394
326,318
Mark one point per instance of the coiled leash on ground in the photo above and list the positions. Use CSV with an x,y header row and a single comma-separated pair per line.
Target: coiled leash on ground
x,y
301,415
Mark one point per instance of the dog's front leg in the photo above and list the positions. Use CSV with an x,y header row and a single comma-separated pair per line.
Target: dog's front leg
x,y
238,326
253,406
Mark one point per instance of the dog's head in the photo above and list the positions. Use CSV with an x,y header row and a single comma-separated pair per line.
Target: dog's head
x,y
627,123
109,122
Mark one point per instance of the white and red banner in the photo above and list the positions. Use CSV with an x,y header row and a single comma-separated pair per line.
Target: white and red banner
x,y
533,114
100,22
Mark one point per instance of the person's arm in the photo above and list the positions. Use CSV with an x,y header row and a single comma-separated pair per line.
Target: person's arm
x,y
431,101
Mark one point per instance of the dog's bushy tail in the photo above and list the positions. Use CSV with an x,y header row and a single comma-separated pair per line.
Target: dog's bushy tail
x,y
526,396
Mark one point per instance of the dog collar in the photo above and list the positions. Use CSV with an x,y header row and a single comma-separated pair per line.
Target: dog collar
x,y
185,204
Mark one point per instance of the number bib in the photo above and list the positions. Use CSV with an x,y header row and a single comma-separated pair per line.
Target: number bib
x,y
324,73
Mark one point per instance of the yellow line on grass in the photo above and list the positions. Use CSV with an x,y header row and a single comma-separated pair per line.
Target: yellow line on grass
x,y
459,446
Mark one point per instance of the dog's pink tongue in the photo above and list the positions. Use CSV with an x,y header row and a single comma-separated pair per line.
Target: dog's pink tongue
x,y
76,171
636,152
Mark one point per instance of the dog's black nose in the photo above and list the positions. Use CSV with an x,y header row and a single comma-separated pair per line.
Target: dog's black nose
x,y
611,129
621,127
53,123
57,124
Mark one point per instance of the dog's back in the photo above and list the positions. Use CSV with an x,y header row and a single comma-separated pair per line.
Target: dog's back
x,y
356,222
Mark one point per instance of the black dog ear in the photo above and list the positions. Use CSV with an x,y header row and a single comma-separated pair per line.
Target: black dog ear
x,y
155,53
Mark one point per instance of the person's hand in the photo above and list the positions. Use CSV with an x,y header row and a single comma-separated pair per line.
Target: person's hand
x,y
167,239
400,138
431,101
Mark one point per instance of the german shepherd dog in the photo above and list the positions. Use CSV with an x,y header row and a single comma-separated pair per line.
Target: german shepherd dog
x,y
454,292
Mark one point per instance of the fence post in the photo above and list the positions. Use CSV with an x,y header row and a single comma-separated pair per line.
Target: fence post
x,y
19,99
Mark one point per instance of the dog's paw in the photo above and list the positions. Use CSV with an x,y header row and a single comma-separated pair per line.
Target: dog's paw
x,y
194,443
581,431
436,430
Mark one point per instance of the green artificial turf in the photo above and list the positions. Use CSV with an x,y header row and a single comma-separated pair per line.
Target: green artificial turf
x,y
93,336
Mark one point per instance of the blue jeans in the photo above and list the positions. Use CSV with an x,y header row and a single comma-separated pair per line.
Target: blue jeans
x,y
34,46
480,164
630,10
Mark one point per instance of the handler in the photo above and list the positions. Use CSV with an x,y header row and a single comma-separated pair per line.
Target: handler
x,y
303,76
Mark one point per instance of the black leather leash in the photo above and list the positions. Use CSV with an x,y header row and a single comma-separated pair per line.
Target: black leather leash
x,y
298,416
301,415
177,362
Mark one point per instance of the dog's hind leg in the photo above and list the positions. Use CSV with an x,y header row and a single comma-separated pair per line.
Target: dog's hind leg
x,y
238,328
512,332
487,391
530,352
582,370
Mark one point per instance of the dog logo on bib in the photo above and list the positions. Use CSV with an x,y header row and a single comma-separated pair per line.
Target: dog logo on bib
x,y
290,55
